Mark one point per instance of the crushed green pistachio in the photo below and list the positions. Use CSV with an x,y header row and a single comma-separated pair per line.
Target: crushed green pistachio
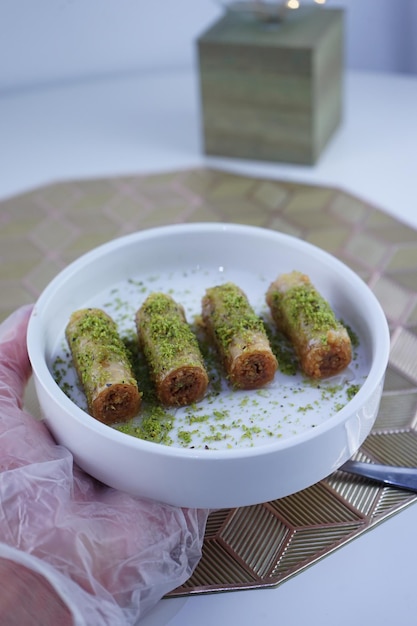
x,y
304,302
304,409
352,390
165,325
234,317
354,339
104,345
230,423
185,436
155,426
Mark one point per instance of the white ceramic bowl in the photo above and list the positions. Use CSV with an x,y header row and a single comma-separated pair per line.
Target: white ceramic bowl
x,y
301,432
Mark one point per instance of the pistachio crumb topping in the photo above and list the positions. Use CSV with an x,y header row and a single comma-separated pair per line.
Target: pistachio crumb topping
x,y
155,426
303,302
235,317
226,418
103,345
168,328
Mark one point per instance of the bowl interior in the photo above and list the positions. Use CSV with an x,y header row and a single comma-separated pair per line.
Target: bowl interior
x,y
184,260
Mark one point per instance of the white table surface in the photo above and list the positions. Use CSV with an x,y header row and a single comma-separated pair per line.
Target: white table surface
x,y
150,123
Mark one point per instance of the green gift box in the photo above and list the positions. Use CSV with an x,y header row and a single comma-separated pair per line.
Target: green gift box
x,y
272,92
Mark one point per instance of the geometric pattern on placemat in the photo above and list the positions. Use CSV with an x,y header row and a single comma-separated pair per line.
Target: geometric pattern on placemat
x,y
257,544
308,545
359,492
219,565
255,535
404,353
43,230
392,447
397,411
312,507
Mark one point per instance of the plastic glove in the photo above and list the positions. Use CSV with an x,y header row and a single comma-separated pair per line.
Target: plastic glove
x,y
72,551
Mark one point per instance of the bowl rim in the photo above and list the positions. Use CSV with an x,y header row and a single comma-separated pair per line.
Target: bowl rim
x,y
45,379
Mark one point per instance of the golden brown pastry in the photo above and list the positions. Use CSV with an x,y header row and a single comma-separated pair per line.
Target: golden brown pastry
x,y
103,366
239,336
171,350
321,342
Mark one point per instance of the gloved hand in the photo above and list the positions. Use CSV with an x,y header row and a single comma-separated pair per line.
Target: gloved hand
x,y
73,551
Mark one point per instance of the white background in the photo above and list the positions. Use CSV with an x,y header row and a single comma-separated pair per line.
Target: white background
x,y
43,41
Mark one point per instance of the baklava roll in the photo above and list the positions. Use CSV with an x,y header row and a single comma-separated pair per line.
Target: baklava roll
x,y
239,336
103,366
321,342
171,350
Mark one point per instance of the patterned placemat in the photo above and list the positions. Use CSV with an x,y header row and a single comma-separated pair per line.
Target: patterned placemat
x,y
43,230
